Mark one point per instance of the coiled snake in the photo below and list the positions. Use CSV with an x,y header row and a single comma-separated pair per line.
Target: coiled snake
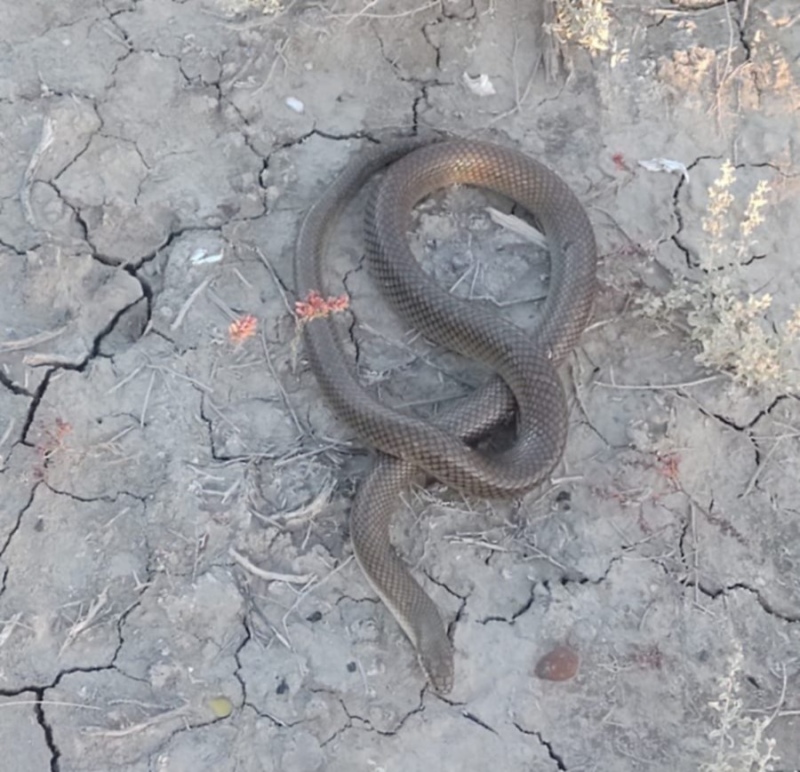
x,y
526,386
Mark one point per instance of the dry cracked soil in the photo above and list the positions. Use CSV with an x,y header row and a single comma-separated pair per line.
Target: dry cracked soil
x,y
177,588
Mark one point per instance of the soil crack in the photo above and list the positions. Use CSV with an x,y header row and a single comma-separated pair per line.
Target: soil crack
x,y
475,720
55,753
762,601
547,745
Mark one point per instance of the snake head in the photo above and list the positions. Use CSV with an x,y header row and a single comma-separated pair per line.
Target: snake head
x,y
435,653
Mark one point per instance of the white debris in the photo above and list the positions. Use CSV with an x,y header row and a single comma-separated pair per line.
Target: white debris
x,y
295,104
201,257
480,86
665,165
520,227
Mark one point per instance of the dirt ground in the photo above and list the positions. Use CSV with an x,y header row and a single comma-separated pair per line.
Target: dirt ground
x,y
177,588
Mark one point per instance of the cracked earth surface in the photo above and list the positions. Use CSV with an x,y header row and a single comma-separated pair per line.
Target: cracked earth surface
x,y
152,183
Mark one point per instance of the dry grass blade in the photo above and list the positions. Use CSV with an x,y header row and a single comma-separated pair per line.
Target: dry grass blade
x,y
85,622
518,226
269,576
55,703
33,340
142,725
45,142
184,309
8,627
307,511
364,13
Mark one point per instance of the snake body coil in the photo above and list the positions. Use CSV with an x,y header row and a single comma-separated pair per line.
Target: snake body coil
x,y
527,385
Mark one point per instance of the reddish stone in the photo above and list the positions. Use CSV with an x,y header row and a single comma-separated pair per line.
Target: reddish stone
x,y
560,664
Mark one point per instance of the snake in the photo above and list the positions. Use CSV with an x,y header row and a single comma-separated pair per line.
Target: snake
x,y
525,391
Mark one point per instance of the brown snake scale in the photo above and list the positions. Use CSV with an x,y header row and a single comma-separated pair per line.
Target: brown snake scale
x,y
527,386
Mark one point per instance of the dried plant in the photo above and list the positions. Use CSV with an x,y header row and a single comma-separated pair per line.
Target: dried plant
x,y
740,745
266,7
585,22
732,327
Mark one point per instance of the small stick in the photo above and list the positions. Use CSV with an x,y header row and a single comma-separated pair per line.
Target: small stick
x,y
312,584
7,432
659,386
782,697
222,415
125,380
187,305
27,180
15,703
696,552
477,543
83,624
242,279
308,511
270,576
140,727
760,468
8,627
222,306
33,340
147,398
518,99
351,17
277,380
263,258
48,360
291,459
518,226
193,381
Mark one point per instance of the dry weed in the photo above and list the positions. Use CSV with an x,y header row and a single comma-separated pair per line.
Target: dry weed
x,y
267,7
731,326
740,745
585,22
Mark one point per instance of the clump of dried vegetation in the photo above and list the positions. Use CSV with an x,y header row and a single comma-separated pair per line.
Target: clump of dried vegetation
x,y
585,22
733,328
266,7
739,742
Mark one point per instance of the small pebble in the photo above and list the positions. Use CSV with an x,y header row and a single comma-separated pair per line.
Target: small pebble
x,y
560,664
221,707
295,104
